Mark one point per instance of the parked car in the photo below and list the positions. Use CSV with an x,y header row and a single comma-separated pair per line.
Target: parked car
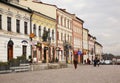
x,y
108,62
102,62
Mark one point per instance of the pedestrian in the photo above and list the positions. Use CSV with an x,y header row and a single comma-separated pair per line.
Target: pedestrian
x,y
88,61
98,62
95,62
75,61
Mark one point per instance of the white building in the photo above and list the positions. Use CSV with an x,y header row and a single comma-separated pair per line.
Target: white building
x,y
14,31
98,50
85,44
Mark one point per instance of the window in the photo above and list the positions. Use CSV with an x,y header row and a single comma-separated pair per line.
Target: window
x,y
61,20
68,37
48,32
57,35
44,29
65,22
0,22
34,29
9,23
68,23
17,26
24,50
25,27
65,37
39,31
58,19
53,34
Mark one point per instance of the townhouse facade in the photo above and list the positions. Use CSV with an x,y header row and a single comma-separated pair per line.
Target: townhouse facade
x,y
64,35
91,46
77,37
43,50
98,50
14,31
85,45
43,20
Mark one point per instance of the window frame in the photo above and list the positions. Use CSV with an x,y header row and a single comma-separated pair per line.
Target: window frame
x,y
17,25
9,23
25,27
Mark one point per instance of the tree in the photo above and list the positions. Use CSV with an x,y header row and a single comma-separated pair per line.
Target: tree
x,y
108,56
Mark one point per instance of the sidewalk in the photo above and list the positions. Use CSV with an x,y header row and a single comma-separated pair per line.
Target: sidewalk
x,y
35,67
45,66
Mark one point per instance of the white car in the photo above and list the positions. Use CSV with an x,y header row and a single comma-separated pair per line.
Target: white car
x,y
107,62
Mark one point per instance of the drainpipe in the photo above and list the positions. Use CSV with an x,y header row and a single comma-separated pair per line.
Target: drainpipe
x,y
31,33
82,45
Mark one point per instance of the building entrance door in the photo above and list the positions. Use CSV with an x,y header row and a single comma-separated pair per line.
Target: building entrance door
x,y
10,52
10,49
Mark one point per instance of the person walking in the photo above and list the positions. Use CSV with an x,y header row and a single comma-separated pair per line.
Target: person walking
x,y
75,61
95,62
98,62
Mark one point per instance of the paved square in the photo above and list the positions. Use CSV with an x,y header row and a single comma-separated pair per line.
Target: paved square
x,y
83,74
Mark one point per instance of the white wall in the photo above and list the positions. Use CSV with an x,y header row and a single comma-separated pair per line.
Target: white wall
x,y
15,37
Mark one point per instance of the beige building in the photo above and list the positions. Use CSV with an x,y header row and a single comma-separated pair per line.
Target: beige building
x,y
43,20
44,8
64,35
85,45
43,50
98,50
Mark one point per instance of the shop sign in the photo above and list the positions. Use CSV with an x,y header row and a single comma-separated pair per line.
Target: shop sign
x,y
79,53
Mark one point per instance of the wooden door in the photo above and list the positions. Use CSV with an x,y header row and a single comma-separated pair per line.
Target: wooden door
x,y
10,52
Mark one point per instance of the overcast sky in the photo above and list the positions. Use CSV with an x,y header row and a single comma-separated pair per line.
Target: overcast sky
x,y
101,17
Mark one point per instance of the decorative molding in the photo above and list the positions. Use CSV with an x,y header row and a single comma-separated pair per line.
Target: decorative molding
x,y
26,18
18,16
9,13
1,11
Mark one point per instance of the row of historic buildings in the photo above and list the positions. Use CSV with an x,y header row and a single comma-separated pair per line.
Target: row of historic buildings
x,y
45,32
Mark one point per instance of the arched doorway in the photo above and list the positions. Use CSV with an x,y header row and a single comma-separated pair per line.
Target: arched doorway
x,y
10,49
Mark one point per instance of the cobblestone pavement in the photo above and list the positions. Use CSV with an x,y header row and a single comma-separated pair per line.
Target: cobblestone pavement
x,y
83,74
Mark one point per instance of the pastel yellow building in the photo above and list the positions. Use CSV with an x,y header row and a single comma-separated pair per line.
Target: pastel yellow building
x,y
43,51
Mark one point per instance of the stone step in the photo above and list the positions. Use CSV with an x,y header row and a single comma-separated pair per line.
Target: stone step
x,y
5,71
20,68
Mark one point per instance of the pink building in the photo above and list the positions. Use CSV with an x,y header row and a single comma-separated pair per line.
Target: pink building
x,y
77,36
